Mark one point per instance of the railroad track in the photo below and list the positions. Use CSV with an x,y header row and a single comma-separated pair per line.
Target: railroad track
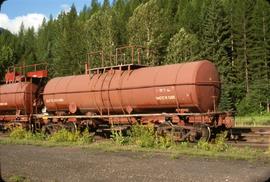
x,y
250,136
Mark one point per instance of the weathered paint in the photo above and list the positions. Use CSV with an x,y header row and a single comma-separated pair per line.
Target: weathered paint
x,y
193,85
17,96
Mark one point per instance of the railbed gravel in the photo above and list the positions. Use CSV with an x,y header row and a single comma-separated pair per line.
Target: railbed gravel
x,y
71,164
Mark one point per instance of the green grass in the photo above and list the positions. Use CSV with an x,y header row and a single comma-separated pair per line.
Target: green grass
x,y
255,120
181,149
231,152
18,178
61,137
142,139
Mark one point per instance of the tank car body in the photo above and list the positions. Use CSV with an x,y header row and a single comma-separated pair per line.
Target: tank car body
x,y
194,86
17,97
20,96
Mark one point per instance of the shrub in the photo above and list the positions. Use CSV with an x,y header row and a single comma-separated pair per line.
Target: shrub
x,y
118,138
19,133
268,151
16,178
219,144
165,141
86,138
64,135
143,136
204,145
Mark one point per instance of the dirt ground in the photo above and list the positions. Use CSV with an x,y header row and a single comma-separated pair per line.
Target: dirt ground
x,y
76,164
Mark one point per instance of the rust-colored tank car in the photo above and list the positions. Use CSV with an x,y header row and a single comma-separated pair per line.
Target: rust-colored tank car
x,y
17,96
194,86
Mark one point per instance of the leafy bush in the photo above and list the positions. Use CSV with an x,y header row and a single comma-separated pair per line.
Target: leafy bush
x,y
118,138
165,141
268,151
219,144
253,103
19,133
143,136
204,145
16,178
64,135
85,137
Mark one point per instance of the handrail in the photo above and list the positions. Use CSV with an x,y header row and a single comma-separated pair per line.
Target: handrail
x,y
23,67
133,51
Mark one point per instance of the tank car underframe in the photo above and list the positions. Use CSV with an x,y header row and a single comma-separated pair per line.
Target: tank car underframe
x,y
181,126
8,122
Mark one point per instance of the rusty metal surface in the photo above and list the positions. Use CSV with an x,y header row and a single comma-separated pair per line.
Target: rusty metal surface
x,y
222,118
17,96
193,85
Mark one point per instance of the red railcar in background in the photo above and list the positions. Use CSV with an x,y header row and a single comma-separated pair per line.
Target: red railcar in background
x,y
19,95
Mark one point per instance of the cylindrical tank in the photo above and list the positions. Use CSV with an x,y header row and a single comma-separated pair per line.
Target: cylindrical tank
x,y
193,85
17,96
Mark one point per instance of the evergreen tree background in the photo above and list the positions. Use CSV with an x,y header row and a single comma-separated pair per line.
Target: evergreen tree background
x,y
233,34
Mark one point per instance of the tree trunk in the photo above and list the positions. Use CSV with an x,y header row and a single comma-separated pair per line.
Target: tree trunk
x,y
268,106
148,44
265,62
232,42
245,56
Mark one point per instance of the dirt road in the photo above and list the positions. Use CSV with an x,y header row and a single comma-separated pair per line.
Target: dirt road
x,y
75,164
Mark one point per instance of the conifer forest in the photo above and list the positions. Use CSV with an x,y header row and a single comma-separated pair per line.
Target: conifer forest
x,y
234,34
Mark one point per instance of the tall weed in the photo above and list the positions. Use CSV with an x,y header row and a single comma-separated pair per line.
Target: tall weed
x,y
146,136
119,138
143,136
219,144
165,141
19,133
62,135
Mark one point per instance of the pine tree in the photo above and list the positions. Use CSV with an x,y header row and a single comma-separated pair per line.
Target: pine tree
x,y
106,4
216,46
260,57
243,40
182,47
120,19
100,33
20,46
6,59
94,7
30,48
148,27
70,48
46,42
